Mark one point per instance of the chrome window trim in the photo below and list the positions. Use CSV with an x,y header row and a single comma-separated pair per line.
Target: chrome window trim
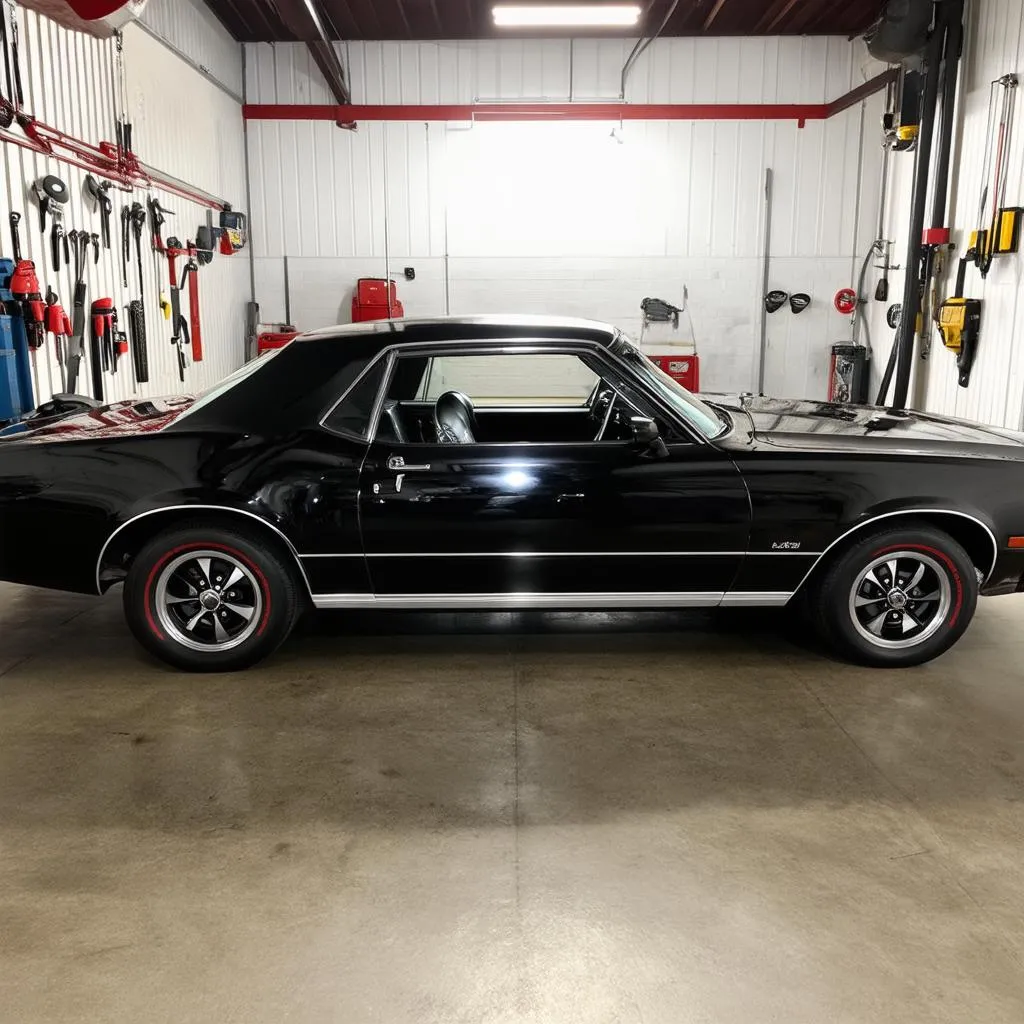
x,y
553,601
384,354
910,512
218,508
525,345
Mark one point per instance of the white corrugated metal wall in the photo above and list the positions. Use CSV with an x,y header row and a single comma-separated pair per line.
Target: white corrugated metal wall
x,y
995,46
184,125
560,218
193,30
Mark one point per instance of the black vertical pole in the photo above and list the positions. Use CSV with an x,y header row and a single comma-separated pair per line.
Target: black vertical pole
x,y
919,200
950,69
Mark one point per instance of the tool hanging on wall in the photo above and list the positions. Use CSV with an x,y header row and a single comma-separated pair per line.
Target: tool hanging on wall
x,y
179,325
234,231
99,193
902,118
7,101
191,274
799,301
958,320
1002,233
59,325
775,300
76,346
122,126
882,287
157,219
102,321
25,291
137,331
137,308
12,57
206,242
52,194
126,242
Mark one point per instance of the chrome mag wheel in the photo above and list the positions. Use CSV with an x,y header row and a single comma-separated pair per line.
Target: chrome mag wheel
x,y
208,600
900,599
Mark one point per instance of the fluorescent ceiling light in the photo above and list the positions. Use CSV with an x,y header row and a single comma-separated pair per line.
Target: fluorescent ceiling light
x,y
565,15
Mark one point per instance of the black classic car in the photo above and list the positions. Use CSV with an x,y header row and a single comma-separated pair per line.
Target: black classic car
x,y
508,463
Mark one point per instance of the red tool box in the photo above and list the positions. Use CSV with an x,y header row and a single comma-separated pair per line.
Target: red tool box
x,y
684,368
375,299
267,341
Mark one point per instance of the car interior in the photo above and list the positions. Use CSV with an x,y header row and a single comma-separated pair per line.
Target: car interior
x,y
411,415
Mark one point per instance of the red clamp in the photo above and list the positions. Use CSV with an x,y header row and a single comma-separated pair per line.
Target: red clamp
x,y
935,236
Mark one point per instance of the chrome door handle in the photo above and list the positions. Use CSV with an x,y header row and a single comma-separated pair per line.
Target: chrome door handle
x,y
396,462
570,497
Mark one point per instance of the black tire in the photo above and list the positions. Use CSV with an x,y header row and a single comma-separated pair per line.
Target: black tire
x,y
848,606
175,628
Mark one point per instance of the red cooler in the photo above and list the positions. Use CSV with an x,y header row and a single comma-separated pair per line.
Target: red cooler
x,y
684,368
371,300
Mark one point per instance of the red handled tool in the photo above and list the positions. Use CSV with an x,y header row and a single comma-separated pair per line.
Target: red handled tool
x,y
58,323
179,325
191,274
102,353
25,292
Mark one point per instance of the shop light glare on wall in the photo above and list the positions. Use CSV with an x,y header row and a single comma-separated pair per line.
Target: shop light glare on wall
x,y
565,15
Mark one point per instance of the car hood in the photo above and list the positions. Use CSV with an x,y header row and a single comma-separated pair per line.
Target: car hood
x,y
795,423
121,419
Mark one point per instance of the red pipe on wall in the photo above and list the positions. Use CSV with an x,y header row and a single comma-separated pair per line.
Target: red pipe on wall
x,y
105,159
347,115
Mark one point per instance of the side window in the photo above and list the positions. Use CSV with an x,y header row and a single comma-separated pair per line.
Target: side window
x,y
546,378
504,398
352,414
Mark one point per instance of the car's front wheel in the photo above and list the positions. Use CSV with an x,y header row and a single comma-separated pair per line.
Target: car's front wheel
x,y
898,597
207,599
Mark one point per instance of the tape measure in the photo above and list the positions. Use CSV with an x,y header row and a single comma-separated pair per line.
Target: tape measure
x,y
845,301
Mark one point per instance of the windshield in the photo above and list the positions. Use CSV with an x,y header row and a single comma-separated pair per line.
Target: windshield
x,y
692,409
225,385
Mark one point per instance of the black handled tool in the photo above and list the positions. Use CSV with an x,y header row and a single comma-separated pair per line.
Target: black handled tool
x,y
138,218
126,242
52,194
157,221
76,344
15,220
137,330
99,193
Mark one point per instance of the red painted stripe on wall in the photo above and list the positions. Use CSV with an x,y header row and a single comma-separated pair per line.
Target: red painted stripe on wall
x,y
539,112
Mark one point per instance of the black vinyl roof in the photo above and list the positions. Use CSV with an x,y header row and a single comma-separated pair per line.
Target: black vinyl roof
x,y
467,328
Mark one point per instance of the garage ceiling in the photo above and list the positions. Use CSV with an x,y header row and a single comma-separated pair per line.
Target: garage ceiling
x,y
258,20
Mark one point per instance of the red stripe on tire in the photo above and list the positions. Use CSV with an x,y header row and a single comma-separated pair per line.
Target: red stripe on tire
x,y
938,554
264,585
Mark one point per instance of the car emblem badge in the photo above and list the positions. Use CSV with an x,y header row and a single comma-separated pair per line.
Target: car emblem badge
x,y
785,545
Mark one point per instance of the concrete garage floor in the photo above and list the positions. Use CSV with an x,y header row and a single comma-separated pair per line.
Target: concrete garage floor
x,y
497,818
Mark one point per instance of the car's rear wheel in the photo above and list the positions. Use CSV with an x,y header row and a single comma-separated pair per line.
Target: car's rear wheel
x,y
898,597
208,599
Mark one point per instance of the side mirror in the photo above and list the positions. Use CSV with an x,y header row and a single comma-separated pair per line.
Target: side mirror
x,y
647,438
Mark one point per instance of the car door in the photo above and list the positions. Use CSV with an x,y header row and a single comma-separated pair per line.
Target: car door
x,y
556,522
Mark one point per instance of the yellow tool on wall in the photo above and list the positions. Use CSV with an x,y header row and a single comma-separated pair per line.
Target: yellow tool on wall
x,y
959,322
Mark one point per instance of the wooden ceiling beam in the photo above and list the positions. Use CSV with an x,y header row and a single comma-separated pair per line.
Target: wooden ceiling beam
x,y
712,14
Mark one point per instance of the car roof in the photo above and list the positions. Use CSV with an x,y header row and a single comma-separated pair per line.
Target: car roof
x,y
483,327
